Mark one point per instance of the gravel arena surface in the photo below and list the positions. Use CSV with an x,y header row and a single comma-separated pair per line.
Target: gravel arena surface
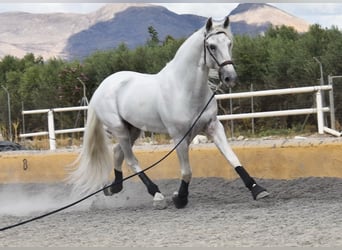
x,y
220,212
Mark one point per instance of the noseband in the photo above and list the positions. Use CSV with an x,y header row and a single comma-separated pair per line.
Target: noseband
x,y
206,47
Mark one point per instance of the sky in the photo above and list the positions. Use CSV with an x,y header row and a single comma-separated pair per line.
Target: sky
x,y
325,14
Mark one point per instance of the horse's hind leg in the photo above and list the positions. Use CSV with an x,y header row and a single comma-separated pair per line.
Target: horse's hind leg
x,y
216,131
180,198
116,186
126,140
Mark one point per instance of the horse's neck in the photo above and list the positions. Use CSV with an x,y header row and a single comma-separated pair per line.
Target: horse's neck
x,y
191,49
188,65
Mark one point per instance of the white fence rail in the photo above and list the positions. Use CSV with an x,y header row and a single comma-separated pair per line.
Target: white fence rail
x,y
51,124
318,110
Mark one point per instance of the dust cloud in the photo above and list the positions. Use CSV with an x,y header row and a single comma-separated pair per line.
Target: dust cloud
x,y
34,199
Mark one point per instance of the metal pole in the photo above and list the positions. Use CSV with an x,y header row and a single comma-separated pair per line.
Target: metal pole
x,y
52,134
9,112
231,112
84,88
320,116
252,108
331,100
332,105
23,116
321,82
84,99
320,69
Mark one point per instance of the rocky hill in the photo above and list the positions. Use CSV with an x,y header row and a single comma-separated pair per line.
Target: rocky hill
x,y
48,34
255,18
131,27
71,36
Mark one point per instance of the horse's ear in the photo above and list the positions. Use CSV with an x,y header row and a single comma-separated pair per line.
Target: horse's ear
x,y
226,22
209,24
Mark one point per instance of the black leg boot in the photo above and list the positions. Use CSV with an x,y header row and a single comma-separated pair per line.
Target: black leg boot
x,y
257,191
116,186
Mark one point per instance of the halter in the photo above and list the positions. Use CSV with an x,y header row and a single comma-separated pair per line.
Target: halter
x,y
206,47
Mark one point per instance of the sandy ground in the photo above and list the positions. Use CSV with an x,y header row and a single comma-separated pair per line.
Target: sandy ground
x,y
300,212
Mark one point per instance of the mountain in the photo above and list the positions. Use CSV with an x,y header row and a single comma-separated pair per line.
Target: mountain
x,y
131,27
72,36
256,18
41,34
47,34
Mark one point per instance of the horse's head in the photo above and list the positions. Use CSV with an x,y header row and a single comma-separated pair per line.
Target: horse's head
x,y
218,44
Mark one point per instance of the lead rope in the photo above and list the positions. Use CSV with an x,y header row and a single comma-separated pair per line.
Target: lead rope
x,y
113,184
142,171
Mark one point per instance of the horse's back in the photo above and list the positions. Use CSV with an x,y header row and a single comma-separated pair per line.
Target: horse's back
x,y
130,96
116,84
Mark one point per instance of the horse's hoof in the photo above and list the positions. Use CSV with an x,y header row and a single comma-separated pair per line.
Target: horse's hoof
x,y
179,201
159,201
108,191
259,192
114,189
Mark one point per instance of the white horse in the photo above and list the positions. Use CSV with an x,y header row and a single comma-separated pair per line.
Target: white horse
x,y
127,103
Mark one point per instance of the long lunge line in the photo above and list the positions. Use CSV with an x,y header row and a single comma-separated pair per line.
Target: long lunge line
x,y
127,103
117,185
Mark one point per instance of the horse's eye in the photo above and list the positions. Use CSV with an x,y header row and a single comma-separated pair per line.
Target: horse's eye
x,y
212,47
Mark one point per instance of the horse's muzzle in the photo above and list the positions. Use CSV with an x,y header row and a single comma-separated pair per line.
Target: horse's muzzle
x,y
228,75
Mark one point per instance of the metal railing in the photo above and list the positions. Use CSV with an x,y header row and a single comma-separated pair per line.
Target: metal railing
x,y
51,124
318,110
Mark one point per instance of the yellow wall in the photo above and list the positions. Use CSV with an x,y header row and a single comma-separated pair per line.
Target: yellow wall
x,y
261,161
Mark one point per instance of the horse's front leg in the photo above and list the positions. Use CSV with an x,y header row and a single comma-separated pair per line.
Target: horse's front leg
x,y
180,198
216,131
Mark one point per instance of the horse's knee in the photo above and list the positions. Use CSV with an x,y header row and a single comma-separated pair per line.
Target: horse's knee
x,y
133,164
213,127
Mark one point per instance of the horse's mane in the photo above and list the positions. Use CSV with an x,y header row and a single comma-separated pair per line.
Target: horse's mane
x,y
202,33
188,41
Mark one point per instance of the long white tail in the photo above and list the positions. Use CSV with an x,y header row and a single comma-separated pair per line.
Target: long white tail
x,y
95,162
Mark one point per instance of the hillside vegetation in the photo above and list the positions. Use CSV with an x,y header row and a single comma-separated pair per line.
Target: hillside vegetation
x,y
281,58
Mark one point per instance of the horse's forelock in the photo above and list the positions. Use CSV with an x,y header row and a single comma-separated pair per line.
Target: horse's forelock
x,y
220,29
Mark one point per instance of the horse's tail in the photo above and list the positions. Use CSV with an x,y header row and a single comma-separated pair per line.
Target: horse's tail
x,y
93,165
